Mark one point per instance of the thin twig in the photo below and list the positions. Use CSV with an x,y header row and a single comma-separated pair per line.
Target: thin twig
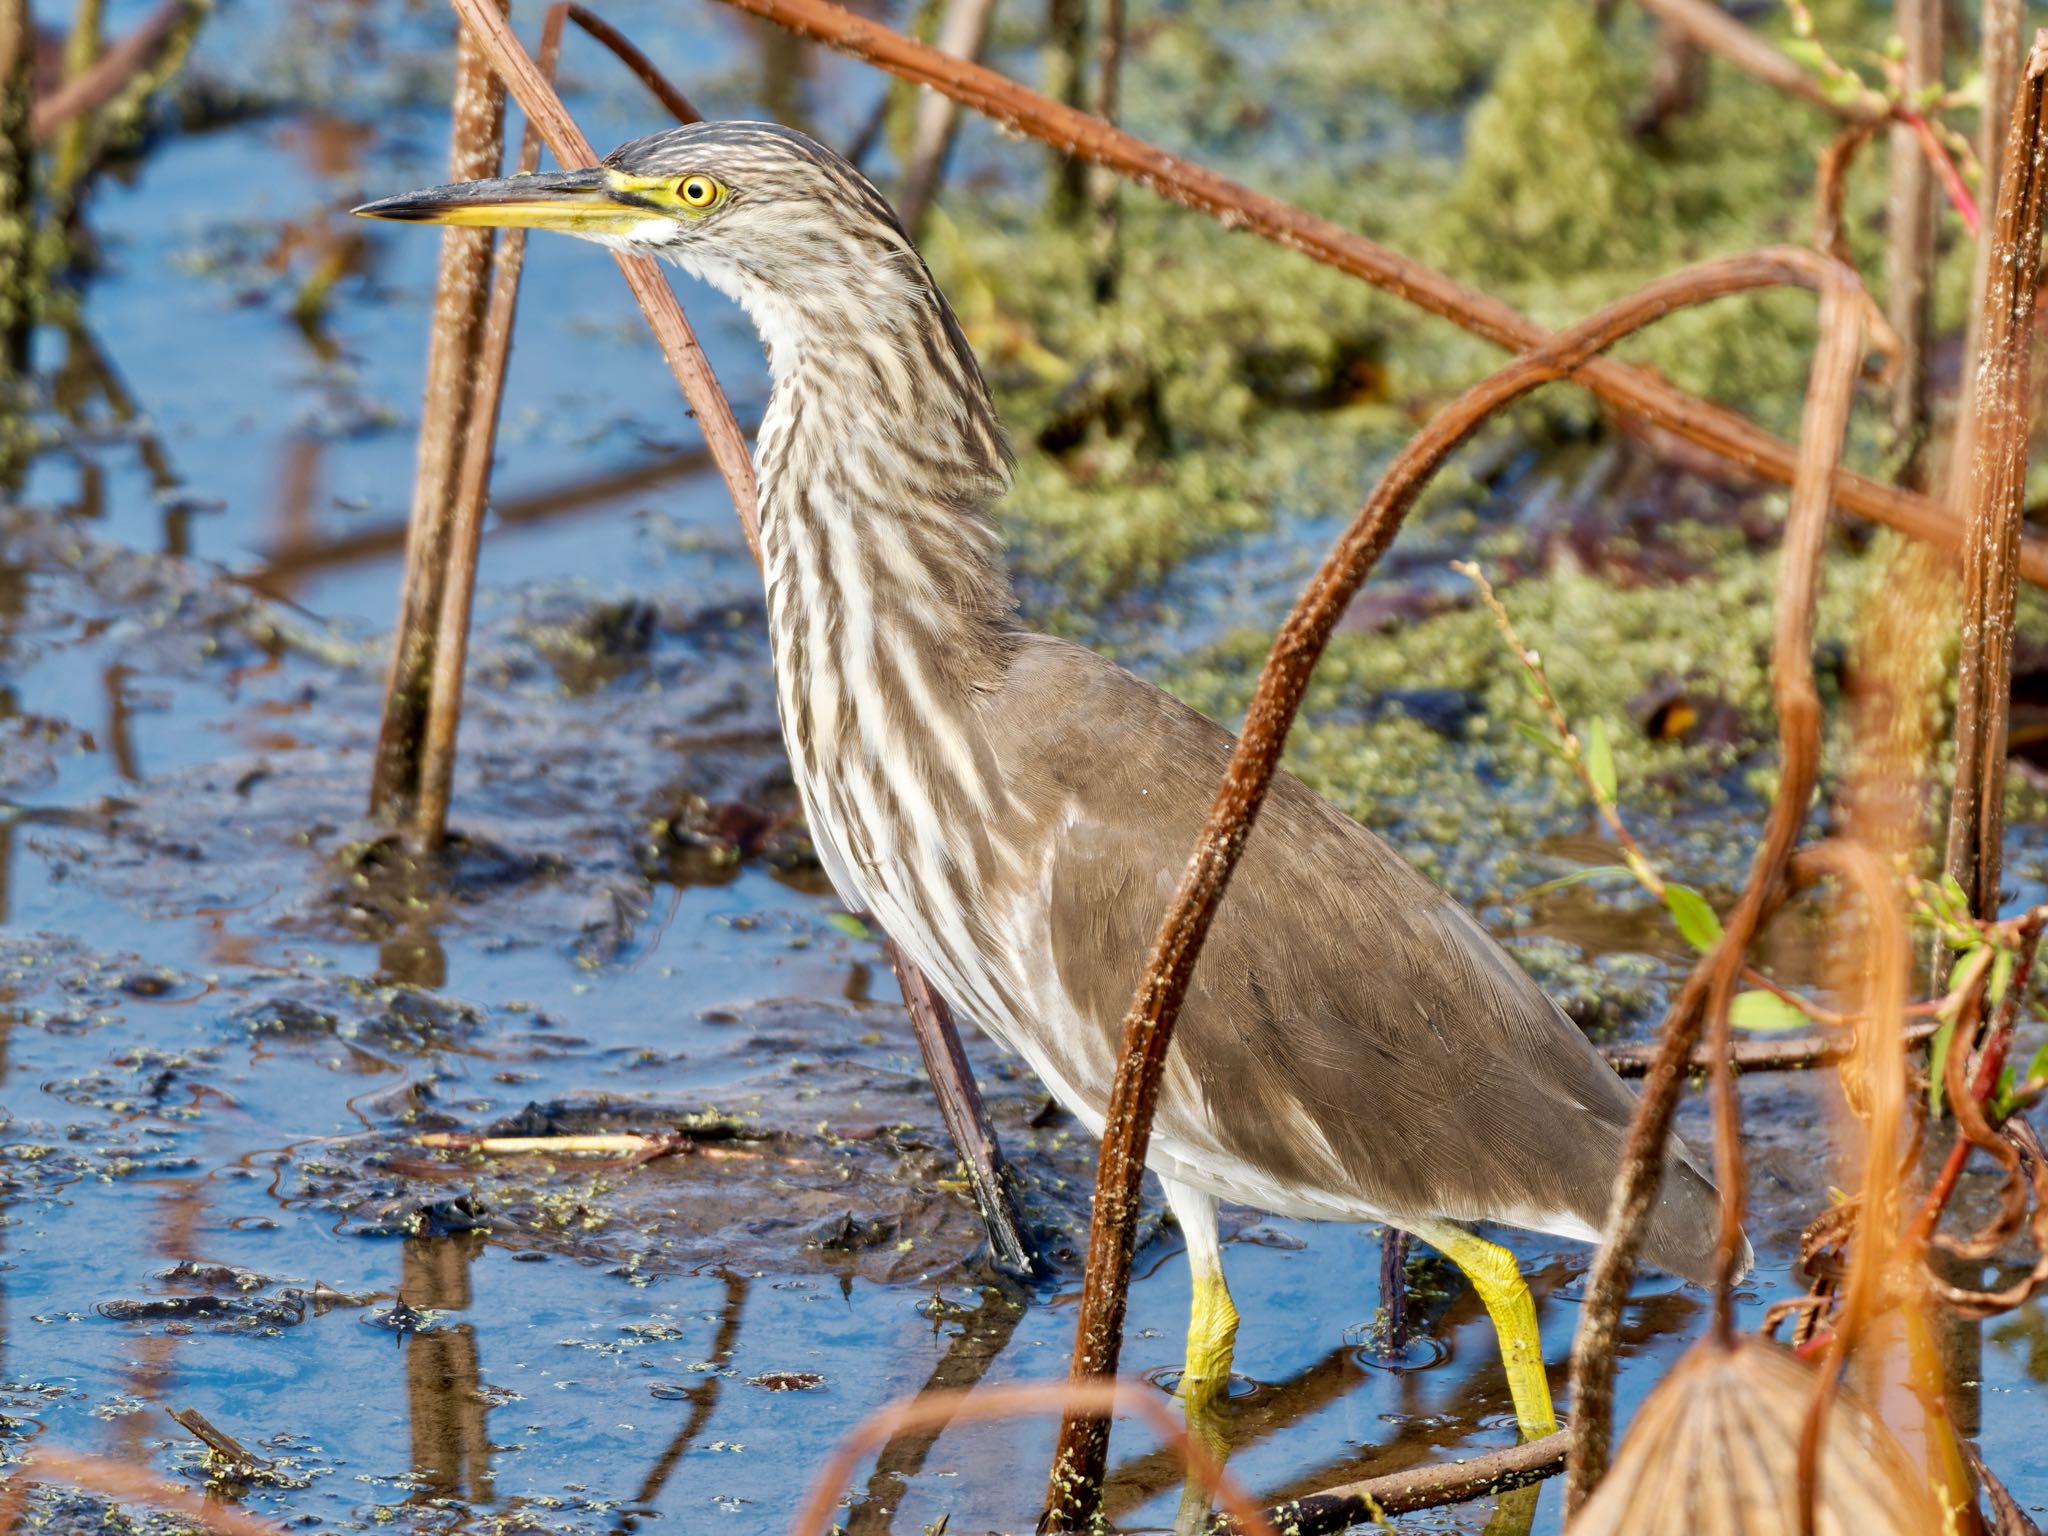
x,y
964,34
1100,1397
1727,38
1707,991
1634,859
114,69
219,1441
1148,1027
1618,385
1831,186
680,107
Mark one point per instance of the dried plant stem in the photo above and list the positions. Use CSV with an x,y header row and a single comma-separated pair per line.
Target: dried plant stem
x,y
1074,1491
1399,1493
450,653
1708,990
1996,507
446,419
1831,185
1098,1397
1909,241
1783,1054
632,1145
1618,385
679,106
964,34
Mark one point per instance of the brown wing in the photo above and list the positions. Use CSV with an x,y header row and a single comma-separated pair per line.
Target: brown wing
x,y
1350,1028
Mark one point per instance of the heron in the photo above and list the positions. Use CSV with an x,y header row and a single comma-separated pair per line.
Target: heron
x,y
1015,810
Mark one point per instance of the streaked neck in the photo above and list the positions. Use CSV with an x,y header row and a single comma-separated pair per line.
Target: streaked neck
x,y
880,460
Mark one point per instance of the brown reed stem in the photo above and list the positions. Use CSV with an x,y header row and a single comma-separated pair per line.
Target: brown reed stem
x,y
472,490
1705,996
447,416
1997,503
1618,385
1073,1496
451,649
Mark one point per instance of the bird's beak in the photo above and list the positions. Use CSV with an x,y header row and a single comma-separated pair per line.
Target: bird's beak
x,y
597,201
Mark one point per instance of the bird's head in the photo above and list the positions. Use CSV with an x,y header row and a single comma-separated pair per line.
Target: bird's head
x,y
759,211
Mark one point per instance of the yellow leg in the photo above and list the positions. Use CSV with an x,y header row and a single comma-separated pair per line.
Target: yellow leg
x,y
1498,1280
1212,1319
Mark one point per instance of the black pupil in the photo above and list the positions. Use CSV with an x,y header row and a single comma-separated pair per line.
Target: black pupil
x,y
694,191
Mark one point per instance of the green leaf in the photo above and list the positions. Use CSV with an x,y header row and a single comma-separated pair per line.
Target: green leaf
x,y
1543,739
849,925
1808,54
2001,1095
1764,1013
1600,760
1952,888
1696,921
2038,1067
1955,972
1591,872
2001,976
1937,1064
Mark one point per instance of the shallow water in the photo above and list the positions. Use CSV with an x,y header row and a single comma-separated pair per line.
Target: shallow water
x,y
225,1013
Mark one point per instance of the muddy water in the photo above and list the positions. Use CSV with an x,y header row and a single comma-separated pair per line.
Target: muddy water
x,y
227,1012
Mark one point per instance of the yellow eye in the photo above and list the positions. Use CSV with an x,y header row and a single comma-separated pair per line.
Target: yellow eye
x,y
697,191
